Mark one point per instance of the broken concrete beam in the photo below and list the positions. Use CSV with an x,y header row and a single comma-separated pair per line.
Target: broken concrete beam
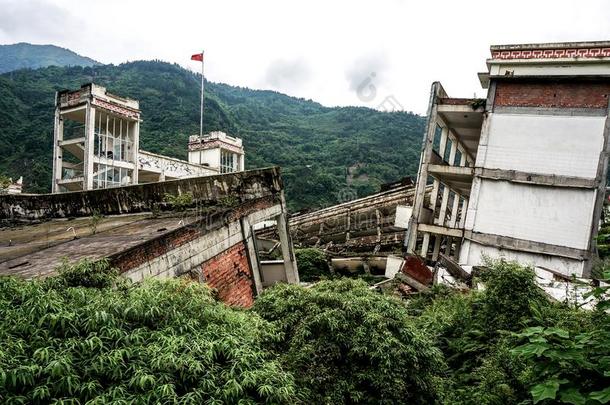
x,y
455,269
411,282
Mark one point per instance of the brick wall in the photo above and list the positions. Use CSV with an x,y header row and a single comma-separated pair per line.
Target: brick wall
x,y
163,244
558,94
230,274
140,254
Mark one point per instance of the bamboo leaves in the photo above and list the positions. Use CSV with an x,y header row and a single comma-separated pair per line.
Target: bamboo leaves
x,y
105,340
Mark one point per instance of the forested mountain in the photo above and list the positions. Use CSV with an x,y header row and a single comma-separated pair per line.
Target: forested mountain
x,y
29,56
325,153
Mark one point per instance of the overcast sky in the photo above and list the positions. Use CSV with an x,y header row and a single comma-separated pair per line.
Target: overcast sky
x,y
328,51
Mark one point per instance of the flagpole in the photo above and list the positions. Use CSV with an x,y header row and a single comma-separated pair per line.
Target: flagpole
x,y
201,116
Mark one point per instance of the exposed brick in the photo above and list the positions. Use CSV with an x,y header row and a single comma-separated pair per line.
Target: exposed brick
x,y
552,93
230,274
151,249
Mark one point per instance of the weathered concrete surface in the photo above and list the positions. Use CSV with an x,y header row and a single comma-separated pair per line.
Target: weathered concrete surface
x,y
367,224
536,185
212,242
241,186
24,239
42,261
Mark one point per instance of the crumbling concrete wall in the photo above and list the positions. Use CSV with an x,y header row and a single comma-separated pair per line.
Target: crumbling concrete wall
x,y
240,186
364,225
212,250
545,144
213,242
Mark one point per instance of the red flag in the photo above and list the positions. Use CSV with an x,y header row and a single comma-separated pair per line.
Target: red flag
x,y
197,56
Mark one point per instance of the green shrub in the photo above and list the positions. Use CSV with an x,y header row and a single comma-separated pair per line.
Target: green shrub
x,y
179,202
571,365
312,264
86,273
348,344
510,294
157,342
475,332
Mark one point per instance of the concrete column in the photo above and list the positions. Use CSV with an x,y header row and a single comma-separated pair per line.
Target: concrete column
x,y
434,196
437,247
136,151
443,144
242,162
448,246
248,234
436,183
58,136
463,212
290,262
424,245
458,247
422,173
463,157
89,147
454,210
443,211
453,151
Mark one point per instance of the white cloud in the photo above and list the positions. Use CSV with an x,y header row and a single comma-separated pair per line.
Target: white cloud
x,y
317,43
287,75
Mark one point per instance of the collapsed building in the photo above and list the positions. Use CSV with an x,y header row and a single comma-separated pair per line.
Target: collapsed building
x,y
150,216
365,234
97,145
143,234
522,173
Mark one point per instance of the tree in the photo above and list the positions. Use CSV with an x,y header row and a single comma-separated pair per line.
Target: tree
x,y
348,344
312,264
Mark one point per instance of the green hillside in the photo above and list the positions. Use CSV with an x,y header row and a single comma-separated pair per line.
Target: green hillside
x,y
326,153
29,56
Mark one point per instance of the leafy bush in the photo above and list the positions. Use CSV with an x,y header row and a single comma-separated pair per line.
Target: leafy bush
x,y
348,344
86,273
157,342
475,332
312,264
510,295
179,202
571,365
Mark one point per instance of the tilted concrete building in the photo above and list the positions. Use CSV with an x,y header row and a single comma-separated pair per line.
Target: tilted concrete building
x,y
136,229
522,173
97,145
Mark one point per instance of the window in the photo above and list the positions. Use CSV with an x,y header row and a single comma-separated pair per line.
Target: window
x,y
227,161
113,138
109,176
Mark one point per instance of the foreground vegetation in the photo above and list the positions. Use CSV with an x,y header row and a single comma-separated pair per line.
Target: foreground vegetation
x,y
87,336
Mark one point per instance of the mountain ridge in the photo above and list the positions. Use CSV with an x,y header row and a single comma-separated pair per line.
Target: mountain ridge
x,y
24,55
314,144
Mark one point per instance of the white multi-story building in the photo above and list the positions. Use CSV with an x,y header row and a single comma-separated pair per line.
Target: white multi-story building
x,y
96,145
522,173
217,150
